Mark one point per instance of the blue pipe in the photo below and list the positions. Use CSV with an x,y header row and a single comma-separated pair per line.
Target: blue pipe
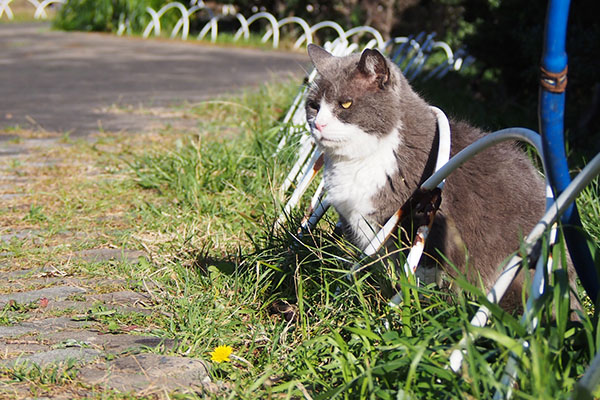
x,y
551,119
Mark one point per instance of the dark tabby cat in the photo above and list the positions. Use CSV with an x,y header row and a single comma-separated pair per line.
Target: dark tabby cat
x,y
379,141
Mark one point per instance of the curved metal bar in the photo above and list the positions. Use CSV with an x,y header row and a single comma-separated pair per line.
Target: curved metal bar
x,y
441,69
416,48
318,210
543,268
418,59
367,29
5,9
178,26
341,47
316,164
370,44
190,12
243,25
417,62
487,141
551,116
305,150
243,29
212,26
289,20
185,18
319,205
152,25
265,15
124,26
402,40
156,15
444,46
562,203
445,140
40,11
321,25
404,52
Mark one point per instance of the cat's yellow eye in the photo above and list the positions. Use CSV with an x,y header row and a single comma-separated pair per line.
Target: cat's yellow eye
x,y
345,105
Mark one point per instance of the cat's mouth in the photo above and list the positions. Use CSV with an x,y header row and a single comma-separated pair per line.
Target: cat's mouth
x,y
320,138
331,140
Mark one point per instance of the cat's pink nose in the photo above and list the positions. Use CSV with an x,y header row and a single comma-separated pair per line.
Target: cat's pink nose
x,y
320,126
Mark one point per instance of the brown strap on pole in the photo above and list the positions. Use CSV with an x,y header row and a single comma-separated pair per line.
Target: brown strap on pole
x,y
554,82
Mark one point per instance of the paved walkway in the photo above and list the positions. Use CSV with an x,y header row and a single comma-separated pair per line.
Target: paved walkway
x,y
66,82
56,82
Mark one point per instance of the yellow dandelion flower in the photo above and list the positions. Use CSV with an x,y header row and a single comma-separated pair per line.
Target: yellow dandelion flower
x,y
221,353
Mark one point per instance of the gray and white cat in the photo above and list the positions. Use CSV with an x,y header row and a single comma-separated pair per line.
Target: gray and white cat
x,y
379,140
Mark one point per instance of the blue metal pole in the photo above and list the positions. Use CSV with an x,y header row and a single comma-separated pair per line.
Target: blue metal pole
x,y
551,117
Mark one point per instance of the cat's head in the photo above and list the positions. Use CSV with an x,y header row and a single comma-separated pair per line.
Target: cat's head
x,y
354,102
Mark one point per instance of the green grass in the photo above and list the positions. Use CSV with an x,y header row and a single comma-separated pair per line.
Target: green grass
x,y
228,274
202,205
43,377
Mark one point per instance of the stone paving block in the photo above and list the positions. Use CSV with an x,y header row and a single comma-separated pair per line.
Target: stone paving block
x,y
19,235
30,284
28,391
51,293
123,297
102,255
13,179
41,326
109,343
56,356
84,306
121,301
10,348
11,196
12,149
145,374
76,306
26,273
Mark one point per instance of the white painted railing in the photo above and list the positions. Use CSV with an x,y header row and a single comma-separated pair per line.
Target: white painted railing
x,y
40,8
154,24
413,52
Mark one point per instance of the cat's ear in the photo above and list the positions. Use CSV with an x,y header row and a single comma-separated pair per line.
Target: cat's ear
x,y
373,65
319,57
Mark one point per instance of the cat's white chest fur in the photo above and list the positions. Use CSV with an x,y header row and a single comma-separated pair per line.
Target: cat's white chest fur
x,y
357,166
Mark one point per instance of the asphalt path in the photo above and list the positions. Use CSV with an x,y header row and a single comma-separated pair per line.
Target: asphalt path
x,y
73,81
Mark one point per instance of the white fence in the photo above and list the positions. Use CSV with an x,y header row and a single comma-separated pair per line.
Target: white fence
x,y
416,50
39,8
413,51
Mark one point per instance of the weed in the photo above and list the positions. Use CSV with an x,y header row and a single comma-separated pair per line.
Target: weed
x,y
13,312
36,214
42,376
115,321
